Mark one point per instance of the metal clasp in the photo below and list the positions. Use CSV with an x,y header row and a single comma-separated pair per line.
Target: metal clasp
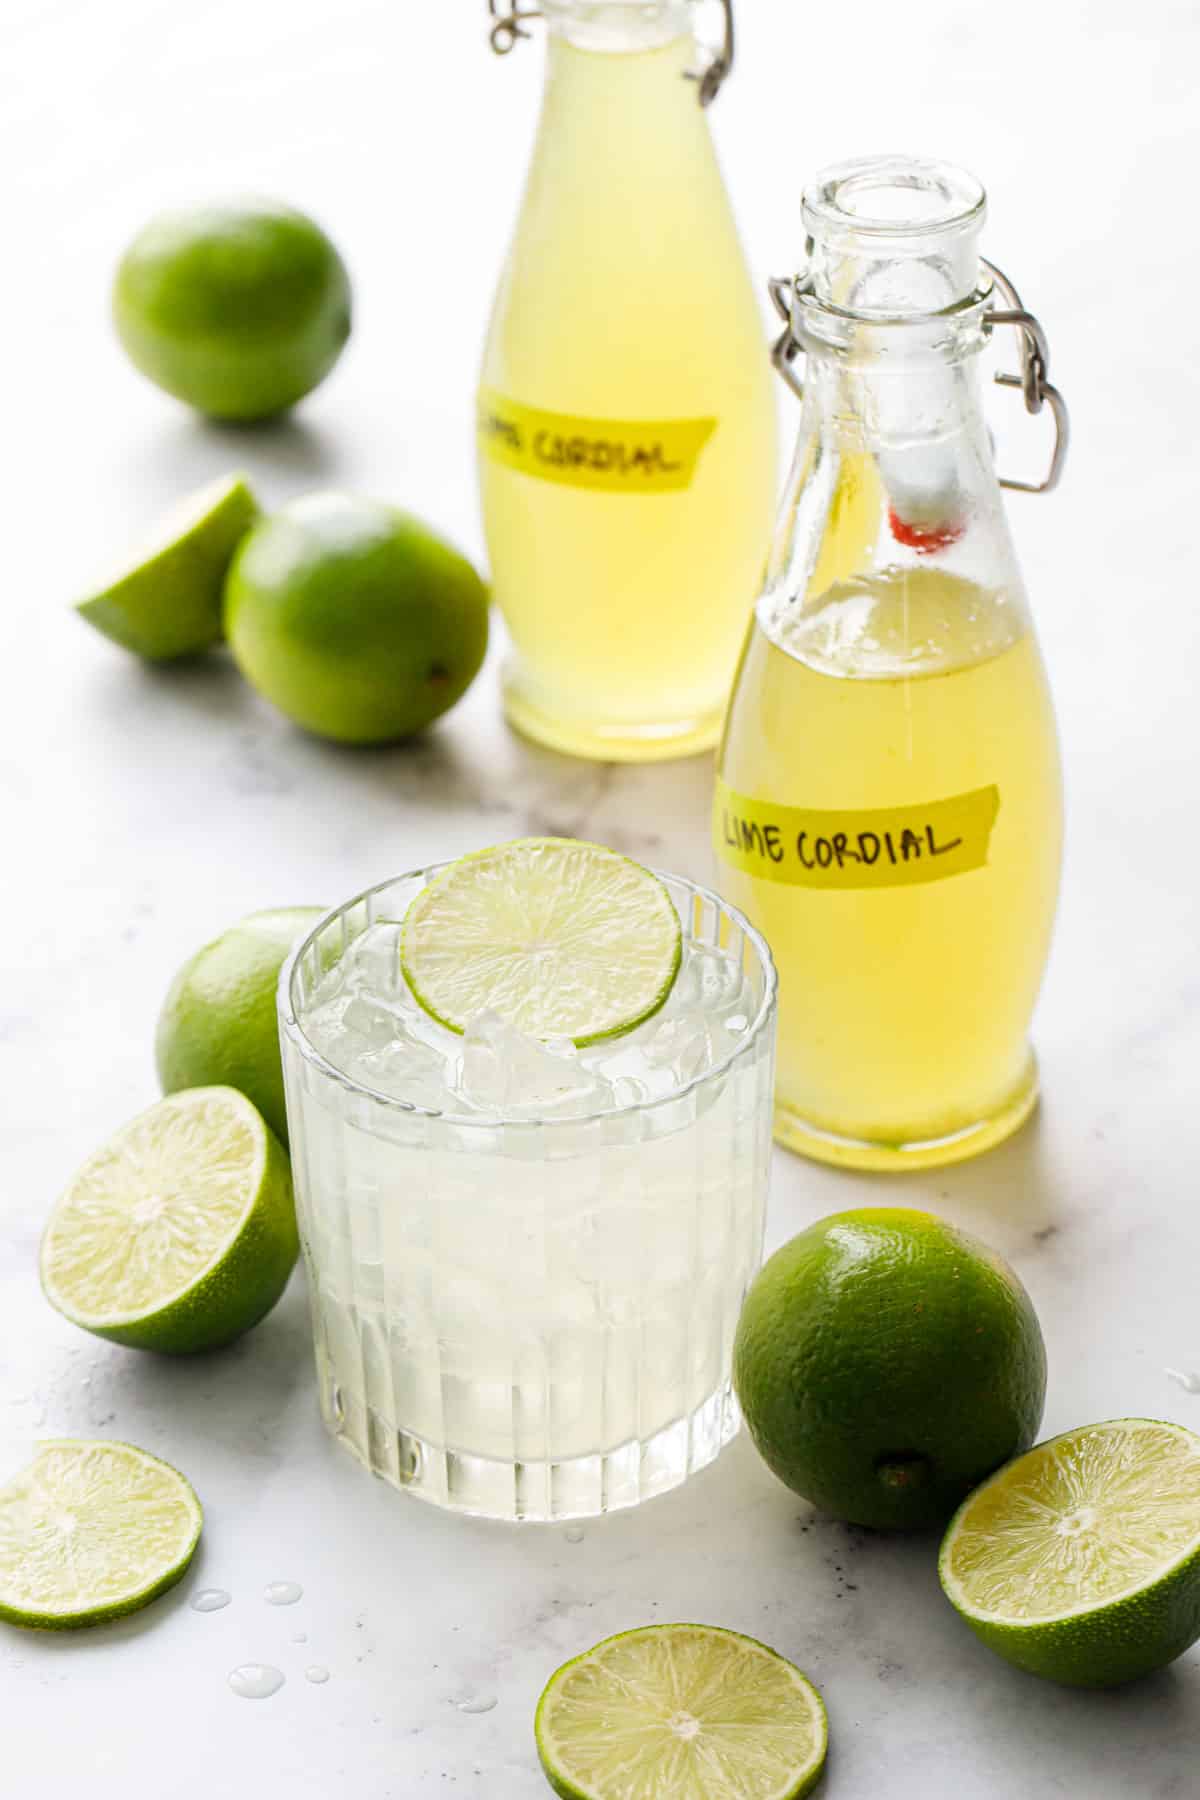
x,y
713,78
510,25
1033,380
786,347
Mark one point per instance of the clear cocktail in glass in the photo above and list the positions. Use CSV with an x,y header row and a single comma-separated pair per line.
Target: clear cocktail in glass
x,y
526,1261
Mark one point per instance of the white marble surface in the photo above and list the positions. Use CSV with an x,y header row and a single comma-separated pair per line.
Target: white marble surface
x,y
143,811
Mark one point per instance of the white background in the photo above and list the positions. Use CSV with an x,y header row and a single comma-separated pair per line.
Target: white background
x,y
145,810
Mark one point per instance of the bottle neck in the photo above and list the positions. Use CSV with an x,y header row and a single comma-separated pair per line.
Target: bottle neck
x,y
618,27
622,119
919,421
880,385
892,317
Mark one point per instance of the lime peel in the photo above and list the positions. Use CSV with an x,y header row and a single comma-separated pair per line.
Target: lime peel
x,y
669,1708
90,1531
219,1026
561,938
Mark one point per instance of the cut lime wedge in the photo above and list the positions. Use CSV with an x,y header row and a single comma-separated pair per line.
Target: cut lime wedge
x,y
180,1233
92,1530
168,603
561,939
681,1709
1080,1561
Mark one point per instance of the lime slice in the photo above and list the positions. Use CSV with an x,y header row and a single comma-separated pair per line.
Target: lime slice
x,y
561,939
180,1233
90,1531
681,1709
169,603
1081,1560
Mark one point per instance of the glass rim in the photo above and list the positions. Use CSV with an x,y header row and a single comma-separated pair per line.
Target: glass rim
x,y
827,202
290,1024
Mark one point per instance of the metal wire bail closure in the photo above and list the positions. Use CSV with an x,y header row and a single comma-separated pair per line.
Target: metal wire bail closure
x,y
713,78
1033,380
509,26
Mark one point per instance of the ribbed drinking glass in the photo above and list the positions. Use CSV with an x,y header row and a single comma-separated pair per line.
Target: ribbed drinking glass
x,y
532,1317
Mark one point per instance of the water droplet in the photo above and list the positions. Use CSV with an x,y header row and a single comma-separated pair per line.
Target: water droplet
x,y
476,1703
301,1637
573,1534
317,1673
210,1600
282,1593
1187,1379
256,1681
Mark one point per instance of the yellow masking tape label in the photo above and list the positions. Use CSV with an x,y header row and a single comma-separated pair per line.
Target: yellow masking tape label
x,y
615,456
886,847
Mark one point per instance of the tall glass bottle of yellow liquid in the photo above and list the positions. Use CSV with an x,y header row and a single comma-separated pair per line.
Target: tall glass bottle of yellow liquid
x,y
627,449
888,807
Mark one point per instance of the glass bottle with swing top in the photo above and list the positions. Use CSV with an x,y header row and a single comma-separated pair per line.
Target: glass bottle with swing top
x,y
888,807
627,448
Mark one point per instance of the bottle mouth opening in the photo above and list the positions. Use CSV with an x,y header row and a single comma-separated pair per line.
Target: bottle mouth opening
x,y
893,236
898,198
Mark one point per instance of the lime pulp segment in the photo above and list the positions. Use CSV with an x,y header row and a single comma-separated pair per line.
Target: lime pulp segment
x,y
1080,1561
681,1709
562,939
92,1530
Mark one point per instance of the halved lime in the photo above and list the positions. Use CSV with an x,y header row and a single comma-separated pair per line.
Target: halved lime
x,y
180,1233
681,1709
168,603
92,1530
562,939
1080,1561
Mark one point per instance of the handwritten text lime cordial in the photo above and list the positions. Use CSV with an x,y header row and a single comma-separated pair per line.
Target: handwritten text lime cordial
x,y
888,847
627,456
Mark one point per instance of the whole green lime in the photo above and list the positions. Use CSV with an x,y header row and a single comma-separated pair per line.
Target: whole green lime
x,y
238,309
354,619
218,1025
886,1363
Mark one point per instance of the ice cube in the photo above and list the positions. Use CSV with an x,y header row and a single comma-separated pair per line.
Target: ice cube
x,y
503,1070
682,1045
324,1024
374,1025
708,980
371,964
405,1068
483,1073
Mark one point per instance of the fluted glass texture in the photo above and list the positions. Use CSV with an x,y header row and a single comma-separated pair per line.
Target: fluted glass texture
x,y
530,1319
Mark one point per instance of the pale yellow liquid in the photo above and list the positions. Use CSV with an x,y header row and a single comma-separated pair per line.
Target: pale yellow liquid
x,y
904,1011
626,297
